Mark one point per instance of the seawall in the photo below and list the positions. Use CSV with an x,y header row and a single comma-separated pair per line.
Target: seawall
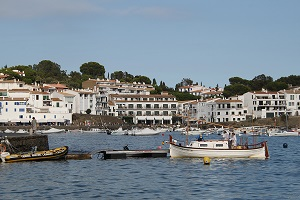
x,y
27,142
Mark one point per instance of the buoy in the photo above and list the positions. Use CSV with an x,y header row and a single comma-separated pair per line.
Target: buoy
x,y
206,160
285,145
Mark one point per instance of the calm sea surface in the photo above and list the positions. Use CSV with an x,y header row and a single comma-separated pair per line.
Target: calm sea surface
x,y
152,178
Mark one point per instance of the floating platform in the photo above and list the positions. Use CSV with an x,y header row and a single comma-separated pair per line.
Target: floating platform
x,y
78,156
121,154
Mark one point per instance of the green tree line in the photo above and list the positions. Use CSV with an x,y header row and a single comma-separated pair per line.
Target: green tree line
x,y
47,71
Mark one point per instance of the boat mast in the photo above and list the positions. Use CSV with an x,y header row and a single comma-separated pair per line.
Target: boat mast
x,y
188,126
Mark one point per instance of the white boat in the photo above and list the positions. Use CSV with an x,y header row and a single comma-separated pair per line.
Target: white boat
x,y
283,133
193,131
22,131
96,130
53,130
143,132
119,131
217,149
8,131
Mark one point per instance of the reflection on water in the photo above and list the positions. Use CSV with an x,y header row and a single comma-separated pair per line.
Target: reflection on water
x,y
152,178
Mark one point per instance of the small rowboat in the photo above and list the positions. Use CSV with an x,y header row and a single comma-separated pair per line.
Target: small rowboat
x,y
52,154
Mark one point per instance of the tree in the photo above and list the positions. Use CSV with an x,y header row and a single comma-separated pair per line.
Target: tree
x,y
75,80
238,80
276,86
30,74
260,82
154,82
186,82
11,74
93,69
49,72
88,111
142,79
292,80
236,89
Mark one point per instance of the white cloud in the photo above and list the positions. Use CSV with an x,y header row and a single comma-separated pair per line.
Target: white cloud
x,y
38,8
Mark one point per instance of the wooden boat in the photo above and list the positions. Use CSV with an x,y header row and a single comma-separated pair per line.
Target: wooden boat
x,y
217,149
52,154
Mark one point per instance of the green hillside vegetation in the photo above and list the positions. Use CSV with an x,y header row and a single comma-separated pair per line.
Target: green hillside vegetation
x,y
47,71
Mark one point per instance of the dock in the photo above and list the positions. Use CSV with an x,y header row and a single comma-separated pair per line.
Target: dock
x,y
121,154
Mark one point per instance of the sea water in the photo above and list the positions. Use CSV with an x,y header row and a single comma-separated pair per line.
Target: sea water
x,y
152,178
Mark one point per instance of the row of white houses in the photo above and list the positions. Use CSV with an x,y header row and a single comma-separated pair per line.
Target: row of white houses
x,y
55,103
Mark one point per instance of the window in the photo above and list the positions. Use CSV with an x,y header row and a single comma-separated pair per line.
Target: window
x,y
130,105
148,105
36,97
165,105
139,113
203,145
21,117
156,106
292,97
139,105
219,145
21,110
165,113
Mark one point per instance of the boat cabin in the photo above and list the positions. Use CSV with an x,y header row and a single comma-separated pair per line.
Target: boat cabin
x,y
210,144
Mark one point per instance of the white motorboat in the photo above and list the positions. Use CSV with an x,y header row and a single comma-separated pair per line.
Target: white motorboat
x,y
96,130
143,132
193,131
217,149
119,131
22,131
283,133
8,131
53,130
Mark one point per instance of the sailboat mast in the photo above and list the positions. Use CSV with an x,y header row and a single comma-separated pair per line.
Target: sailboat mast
x,y
188,126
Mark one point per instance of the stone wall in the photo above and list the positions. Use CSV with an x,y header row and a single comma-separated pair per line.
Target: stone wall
x,y
25,143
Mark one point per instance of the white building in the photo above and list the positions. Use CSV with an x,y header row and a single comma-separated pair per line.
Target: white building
x,y
264,104
145,109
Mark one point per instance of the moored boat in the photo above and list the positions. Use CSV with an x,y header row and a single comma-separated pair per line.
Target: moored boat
x,y
52,154
283,133
143,132
217,149
53,130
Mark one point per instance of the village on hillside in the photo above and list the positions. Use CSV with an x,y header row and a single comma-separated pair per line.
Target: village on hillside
x,y
55,104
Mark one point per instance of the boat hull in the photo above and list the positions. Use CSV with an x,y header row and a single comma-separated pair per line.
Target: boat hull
x,y
177,151
53,154
284,133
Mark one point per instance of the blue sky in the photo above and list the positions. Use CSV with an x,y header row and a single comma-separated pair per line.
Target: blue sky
x,y
208,41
